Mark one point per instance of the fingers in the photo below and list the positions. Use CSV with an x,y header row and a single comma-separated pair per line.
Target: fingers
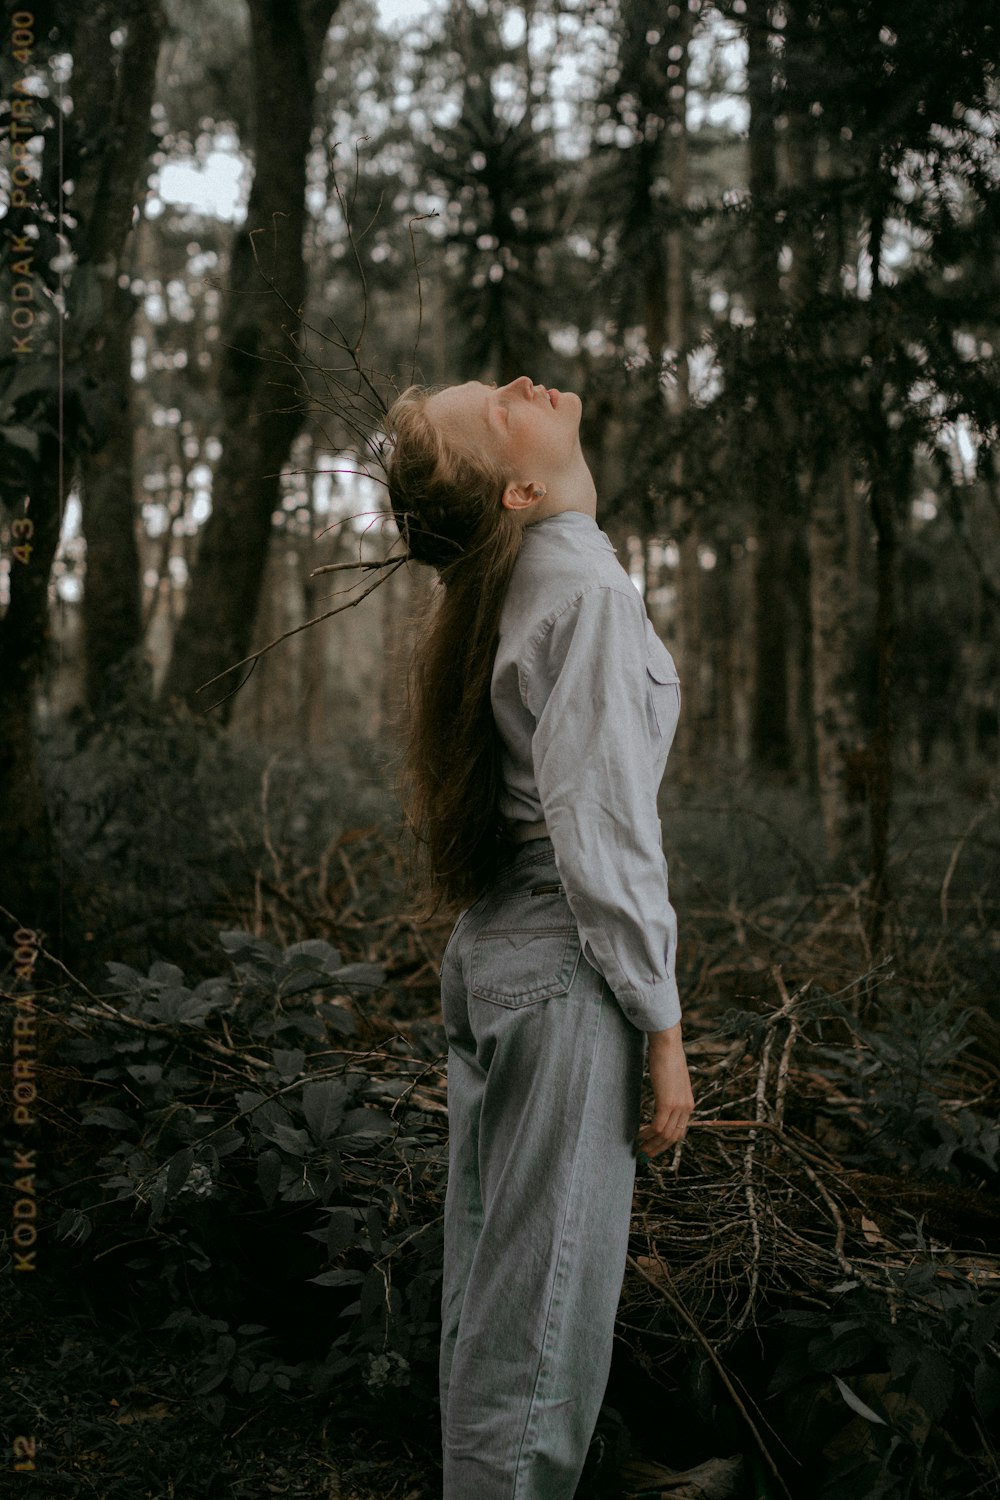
x,y
663,1131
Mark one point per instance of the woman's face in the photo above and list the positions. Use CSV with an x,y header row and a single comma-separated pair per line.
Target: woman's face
x,y
533,432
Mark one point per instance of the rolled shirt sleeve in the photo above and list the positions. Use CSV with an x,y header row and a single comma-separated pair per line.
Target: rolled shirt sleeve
x,y
596,757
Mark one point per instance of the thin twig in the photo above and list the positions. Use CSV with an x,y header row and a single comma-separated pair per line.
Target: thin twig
x,y
678,1305
316,620
345,567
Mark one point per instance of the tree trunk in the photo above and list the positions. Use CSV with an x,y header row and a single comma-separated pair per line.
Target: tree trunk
x,y
112,99
31,881
112,600
29,876
801,693
802,287
775,515
771,747
835,714
677,306
889,469
257,378
883,738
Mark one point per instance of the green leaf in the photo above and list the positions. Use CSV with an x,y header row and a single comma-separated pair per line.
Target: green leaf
x,y
841,1352
339,1019
933,1384
192,1011
372,1297
124,976
86,298
236,938
361,976
288,1062
295,1142
36,378
73,1225
986,1383
178,1171
146,1072
167,1005
157,1202
856,1404
323,954
334,1175
323,1104
299,1189
248,1098
365,1122
227,1141
373,1223
20,437
105,1114
985,1322
180,1079
268,1175
243,945
218,991
340,1231
338,1278
164,973
214,1409
300,981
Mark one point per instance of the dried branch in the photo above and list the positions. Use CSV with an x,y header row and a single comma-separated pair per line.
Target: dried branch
x,y
667,1289
316,619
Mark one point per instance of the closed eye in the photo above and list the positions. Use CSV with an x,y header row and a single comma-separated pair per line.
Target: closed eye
x,y
493,405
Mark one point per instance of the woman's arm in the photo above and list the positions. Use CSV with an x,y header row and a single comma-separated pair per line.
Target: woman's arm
x,y
673,1099
595,758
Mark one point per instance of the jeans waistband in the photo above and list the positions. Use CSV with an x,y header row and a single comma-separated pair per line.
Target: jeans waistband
x,y
527,866
524,833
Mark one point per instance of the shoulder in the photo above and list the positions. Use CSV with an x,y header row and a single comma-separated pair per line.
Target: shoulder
x,y
605,612
594,632
556,570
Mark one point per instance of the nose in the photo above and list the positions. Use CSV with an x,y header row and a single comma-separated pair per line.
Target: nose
x,y
522,386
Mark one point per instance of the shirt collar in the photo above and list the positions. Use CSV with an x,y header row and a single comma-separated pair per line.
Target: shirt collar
x,y
583,527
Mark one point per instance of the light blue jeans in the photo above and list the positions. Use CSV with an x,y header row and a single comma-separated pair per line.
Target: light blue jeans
x,y
544,1079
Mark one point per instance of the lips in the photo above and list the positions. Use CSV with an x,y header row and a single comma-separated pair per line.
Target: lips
x,y
554,397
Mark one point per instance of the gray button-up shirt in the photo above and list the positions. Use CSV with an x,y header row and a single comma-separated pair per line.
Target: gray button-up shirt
x,y
586,699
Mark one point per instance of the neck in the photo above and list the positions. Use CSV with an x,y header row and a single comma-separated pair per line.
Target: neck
x,y
572,489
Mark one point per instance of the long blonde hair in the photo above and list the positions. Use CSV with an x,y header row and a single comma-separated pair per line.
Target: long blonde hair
x,y
446,500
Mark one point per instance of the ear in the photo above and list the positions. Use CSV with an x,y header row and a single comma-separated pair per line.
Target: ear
x,y
523,496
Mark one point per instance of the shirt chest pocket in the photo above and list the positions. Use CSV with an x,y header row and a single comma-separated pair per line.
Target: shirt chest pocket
x,y
663,695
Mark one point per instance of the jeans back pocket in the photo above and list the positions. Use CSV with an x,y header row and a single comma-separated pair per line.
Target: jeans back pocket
x,y
527,951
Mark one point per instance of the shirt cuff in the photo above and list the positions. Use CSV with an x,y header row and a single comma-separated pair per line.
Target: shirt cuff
x,y
654,1009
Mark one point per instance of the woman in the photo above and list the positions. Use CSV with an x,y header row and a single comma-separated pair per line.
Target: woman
x,y
543,707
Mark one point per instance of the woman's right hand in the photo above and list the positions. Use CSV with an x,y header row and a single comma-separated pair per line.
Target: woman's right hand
x,y
673,1099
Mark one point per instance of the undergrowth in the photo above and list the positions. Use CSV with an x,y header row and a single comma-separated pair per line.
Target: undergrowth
x,y
239,1158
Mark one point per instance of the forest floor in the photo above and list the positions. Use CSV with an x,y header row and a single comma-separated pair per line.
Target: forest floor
x,y
840,1178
